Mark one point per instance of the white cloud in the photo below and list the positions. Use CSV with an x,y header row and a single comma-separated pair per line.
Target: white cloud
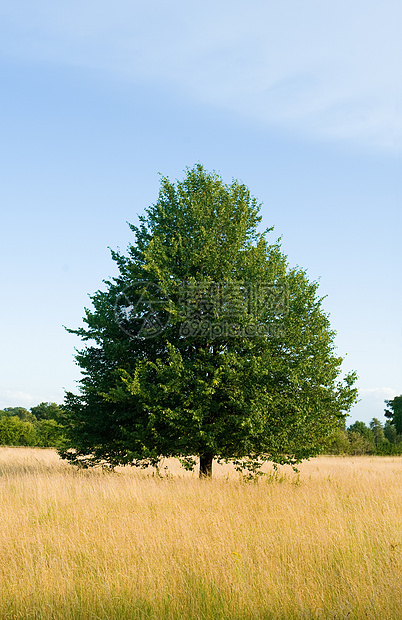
x,y
379,393
371,404
329,70
19,398
15,398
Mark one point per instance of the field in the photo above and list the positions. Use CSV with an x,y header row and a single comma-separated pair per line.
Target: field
x,y
131,545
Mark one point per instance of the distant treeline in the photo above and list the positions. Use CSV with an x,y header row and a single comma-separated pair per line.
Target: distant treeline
x,y
359,438
40,426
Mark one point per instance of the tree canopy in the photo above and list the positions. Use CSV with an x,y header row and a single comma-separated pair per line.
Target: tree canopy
x,y
394,412
206,345
38,427
19,412
47,411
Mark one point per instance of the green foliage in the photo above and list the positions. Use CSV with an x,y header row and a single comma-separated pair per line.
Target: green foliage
x,y
337,443
49,434
362,439
19,427
378,431
169,371
16,432
359,443
365,431
47,411
391,434
22,413
368,440
394,412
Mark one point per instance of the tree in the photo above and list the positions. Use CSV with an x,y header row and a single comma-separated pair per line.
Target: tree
x,y
394,412
361,439
22,413
390,433
47,411
378,431
49,433
363,430
337,442
207,344
16,432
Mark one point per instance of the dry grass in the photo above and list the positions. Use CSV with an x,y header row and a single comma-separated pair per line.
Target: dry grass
x,y
128,545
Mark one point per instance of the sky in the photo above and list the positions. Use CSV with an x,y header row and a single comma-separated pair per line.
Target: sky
x,y
301,101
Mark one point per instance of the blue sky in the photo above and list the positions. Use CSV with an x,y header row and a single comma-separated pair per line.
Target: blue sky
x,y
300,101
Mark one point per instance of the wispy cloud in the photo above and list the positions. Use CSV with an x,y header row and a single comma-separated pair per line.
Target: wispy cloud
x,y
372,403
16,398
379,393
328,70
19,398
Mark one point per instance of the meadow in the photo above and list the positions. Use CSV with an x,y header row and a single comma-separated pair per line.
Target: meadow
x,y
325,543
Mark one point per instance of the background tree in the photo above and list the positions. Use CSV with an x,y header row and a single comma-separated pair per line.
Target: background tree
x,y
16,432
337,443
362,429
49,434
206,344
361,439
47,411
391,434
378,431
38,427
394,412
21,413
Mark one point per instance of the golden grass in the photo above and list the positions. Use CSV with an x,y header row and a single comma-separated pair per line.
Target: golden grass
x,y
87,545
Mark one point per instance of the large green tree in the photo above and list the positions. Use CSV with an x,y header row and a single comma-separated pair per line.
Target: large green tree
x,y
206,345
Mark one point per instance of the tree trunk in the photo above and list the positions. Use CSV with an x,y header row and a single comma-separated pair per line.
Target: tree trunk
x,y
206,465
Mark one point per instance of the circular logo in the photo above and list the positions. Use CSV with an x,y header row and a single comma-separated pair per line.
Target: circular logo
x,y
140,310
